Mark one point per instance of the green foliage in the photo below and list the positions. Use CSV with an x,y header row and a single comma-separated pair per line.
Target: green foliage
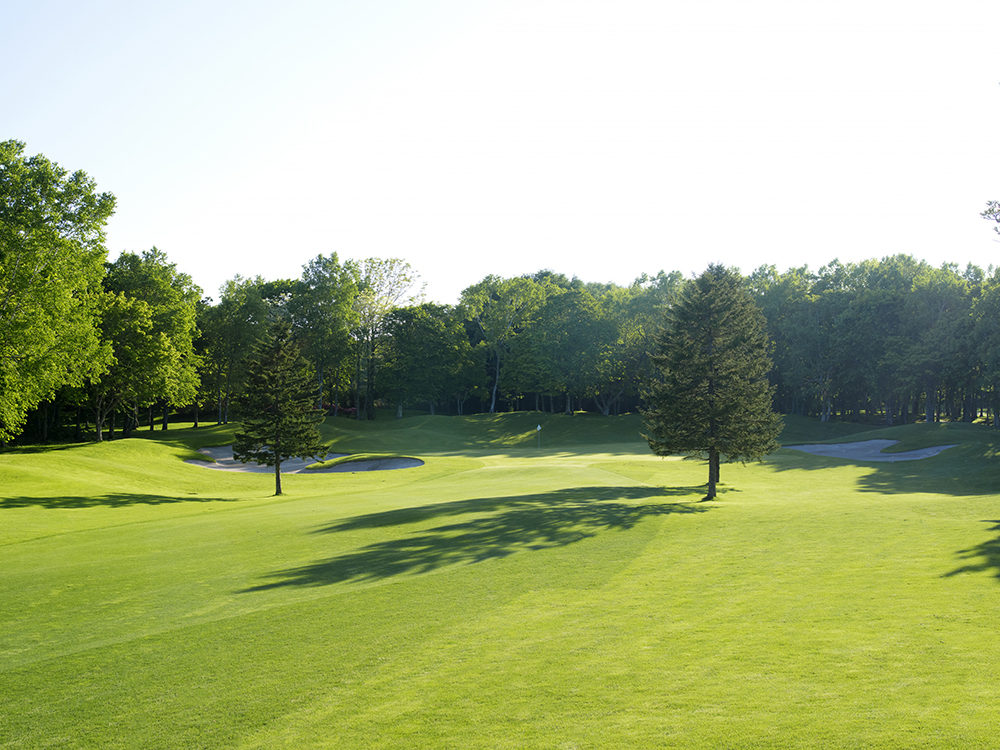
x,y
51,256
883,339
382,285
278,419
230,330
141,356
501,309
427,355
711,392
172,299
322,311
992,213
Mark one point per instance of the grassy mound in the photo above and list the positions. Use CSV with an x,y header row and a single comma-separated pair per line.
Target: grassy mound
x,y
358,458
576,594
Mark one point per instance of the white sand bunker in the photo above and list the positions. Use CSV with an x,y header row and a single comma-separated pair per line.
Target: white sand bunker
x,y
869,450
224,461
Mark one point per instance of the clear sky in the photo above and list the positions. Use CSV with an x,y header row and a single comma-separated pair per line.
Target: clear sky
x,y
597,139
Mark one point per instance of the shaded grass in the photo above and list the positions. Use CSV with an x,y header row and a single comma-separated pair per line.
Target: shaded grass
x,y
521,523
501,597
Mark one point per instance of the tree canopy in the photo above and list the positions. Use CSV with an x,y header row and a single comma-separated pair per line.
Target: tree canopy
x,y
51,265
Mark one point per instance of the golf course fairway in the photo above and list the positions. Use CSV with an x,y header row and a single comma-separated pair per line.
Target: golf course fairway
x,y
561,589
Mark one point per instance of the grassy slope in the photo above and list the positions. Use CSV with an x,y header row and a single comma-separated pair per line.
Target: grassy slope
x,y
501,595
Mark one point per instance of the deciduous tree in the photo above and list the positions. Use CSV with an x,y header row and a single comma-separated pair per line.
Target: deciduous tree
x,y
500,309
172,298
383,284
51,264
322,311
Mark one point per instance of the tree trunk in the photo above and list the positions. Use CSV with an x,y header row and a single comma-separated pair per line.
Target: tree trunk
x,y
601,404
277,476
713,473
196,415
166,407
218,393
99,416
569,404
496,384
357,386
432,408
370,383
399,410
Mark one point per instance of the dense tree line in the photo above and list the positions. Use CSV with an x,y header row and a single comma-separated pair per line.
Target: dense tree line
x,y
90,348
894,339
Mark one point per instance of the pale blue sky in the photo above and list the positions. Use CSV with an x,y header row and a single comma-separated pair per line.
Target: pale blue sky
x,y
599,139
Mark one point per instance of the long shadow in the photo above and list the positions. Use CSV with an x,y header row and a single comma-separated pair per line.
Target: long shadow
x,y
34,448
500,526
988,551
107,500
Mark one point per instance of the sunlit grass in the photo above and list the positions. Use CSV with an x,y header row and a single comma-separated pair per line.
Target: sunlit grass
x,y
353,458
502,595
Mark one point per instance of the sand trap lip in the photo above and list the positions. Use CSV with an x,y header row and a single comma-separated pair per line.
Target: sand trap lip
x,y
869,450
224,461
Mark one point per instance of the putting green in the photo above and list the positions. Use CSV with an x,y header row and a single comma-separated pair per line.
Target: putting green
x,y
503,595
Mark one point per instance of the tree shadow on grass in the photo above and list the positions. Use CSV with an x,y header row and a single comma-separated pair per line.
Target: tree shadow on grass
x,y
107,500
35,448
988,552
498,527
967,470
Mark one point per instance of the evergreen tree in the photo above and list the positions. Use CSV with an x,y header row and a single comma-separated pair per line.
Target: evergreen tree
x,y
279,418
710,391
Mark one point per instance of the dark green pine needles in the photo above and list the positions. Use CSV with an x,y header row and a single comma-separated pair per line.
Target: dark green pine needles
x,y
710,391
279,418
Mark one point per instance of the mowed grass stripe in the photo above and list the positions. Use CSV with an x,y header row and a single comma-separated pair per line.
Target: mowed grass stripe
x,y
513,599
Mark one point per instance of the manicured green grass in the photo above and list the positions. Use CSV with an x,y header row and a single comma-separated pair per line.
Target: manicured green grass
x,y
502,595
353,458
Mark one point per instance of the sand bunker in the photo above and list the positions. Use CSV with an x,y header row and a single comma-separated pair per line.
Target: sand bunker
x,y
869,450
224,461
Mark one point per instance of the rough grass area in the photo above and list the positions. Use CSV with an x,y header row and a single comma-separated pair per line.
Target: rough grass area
x,y
503,595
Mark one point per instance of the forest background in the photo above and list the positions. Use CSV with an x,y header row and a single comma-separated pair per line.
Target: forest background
x,y
91,348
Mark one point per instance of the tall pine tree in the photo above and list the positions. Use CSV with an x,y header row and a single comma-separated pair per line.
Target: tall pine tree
x,y
279,419
710,391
